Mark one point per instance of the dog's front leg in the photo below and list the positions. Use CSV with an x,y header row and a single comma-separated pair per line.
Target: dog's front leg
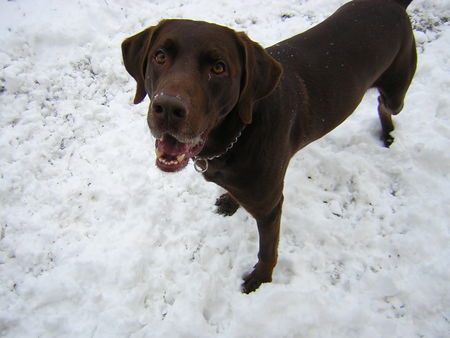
x,y
269,233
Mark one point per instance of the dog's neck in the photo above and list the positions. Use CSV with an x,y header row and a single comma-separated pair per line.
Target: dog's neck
x,y
220,141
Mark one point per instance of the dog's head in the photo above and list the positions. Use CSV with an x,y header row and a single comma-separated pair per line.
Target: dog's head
x,y
195,74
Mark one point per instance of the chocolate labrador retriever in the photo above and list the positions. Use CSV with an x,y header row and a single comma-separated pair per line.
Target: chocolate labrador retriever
x,y
240,112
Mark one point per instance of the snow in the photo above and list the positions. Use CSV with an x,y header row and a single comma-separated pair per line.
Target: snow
x,y
95,241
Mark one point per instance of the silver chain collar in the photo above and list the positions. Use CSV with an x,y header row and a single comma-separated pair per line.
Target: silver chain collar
x,y
198,160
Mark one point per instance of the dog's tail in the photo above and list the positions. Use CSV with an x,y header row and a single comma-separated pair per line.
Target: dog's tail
x,y
403,3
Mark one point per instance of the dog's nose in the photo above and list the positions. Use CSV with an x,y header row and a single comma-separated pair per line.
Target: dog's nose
x,y
168,106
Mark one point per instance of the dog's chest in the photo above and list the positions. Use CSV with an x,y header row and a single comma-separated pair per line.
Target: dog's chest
x,y
215,174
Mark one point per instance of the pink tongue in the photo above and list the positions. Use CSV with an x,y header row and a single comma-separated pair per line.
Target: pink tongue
x,y
169,145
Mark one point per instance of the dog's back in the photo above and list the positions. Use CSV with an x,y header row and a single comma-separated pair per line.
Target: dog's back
x,y
364,44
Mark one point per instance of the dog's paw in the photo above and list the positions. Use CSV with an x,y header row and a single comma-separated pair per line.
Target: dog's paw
x,y
387,139
262,273
226,205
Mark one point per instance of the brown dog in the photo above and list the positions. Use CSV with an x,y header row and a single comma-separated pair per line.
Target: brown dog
x,y
219,98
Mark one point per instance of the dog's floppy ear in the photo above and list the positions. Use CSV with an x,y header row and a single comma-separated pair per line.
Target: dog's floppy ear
x,y
134,53
261,75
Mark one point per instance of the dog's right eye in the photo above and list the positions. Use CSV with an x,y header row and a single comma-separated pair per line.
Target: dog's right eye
x,y
160,57
218,68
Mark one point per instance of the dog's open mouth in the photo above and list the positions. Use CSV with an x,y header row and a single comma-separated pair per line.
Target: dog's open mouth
x,y
173,155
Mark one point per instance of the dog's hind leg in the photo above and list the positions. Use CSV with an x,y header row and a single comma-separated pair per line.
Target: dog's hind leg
x,y
392,86
387,126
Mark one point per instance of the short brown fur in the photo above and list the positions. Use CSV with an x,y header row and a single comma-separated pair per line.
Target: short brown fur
x,y
285,96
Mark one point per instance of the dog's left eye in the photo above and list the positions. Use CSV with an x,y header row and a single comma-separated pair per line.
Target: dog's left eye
x,y
218,67
160,57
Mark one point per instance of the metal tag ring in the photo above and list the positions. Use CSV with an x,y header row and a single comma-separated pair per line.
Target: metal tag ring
x,y
197,165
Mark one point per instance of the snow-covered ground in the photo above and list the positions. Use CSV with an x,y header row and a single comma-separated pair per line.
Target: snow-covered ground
x,y
95,241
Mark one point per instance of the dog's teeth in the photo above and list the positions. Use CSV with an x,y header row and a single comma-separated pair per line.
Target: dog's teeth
x,y
161,159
